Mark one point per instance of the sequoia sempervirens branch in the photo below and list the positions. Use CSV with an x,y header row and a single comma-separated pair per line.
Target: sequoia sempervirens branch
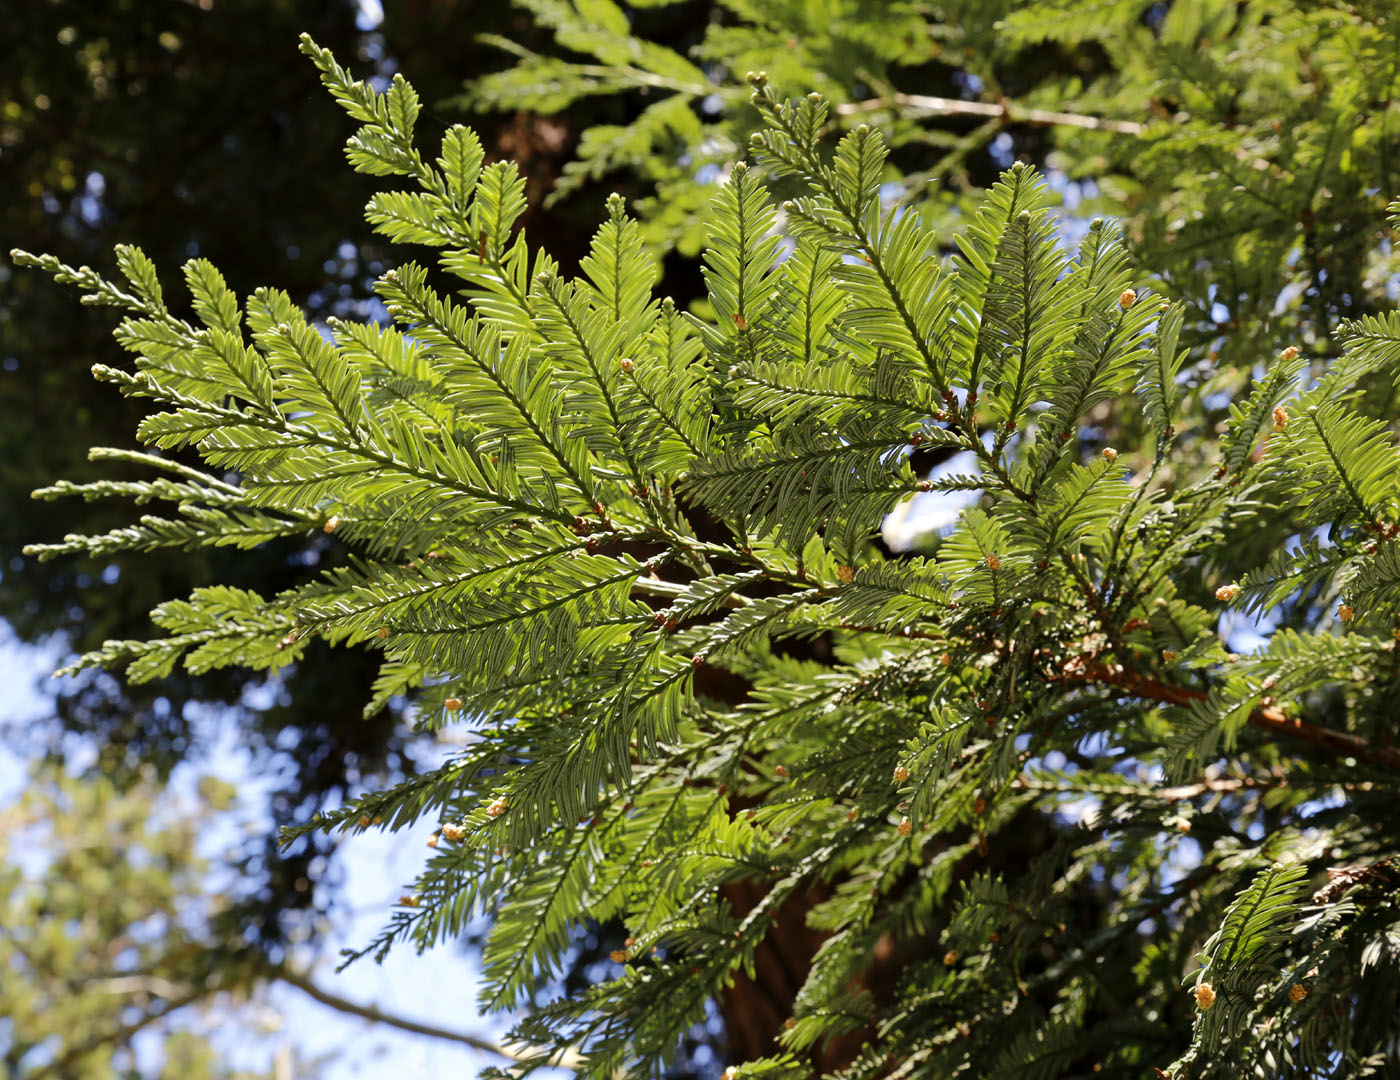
x,y
923,104
1269,718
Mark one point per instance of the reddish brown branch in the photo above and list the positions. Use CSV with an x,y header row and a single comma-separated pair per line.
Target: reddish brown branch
x,y
1268,718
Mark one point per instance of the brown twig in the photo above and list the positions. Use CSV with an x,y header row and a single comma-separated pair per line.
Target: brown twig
x,y
1221,786
938,106
1269,718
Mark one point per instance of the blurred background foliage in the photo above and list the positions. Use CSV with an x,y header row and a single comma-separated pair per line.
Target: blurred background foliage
x,y
111,925
192,127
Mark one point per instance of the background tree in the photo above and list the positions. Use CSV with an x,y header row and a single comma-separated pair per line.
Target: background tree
x,y
118,955
105,914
